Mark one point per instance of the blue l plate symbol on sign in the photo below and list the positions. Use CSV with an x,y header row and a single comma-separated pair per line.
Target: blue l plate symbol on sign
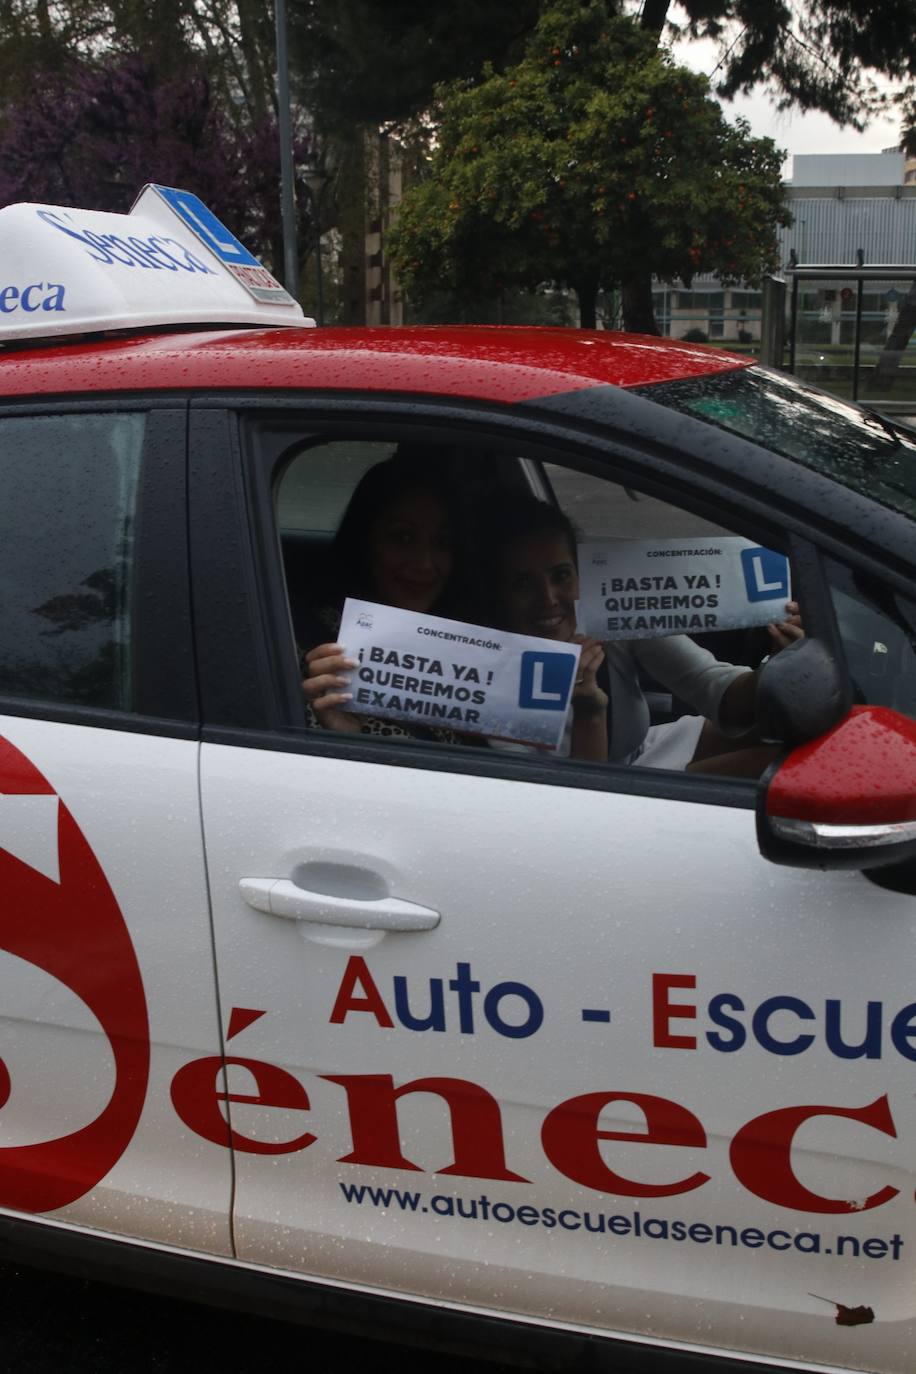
x,y
207,227
766,574
545,681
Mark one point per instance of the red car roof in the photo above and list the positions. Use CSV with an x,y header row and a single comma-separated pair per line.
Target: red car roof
x,y
501,364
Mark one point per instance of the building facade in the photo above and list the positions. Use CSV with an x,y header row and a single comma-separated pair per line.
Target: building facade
x,y
841,204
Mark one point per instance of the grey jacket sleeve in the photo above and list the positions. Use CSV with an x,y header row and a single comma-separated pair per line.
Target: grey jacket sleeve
x,y
689,671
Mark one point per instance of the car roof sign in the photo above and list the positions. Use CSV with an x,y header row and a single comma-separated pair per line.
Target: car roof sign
x,y
170,261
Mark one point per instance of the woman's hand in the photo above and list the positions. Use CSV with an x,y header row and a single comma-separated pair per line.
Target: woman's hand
x,y
325,687
587,696
786,632
589,705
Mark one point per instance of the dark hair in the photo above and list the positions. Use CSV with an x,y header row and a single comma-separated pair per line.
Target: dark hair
x,y
509,520
410,469
523,516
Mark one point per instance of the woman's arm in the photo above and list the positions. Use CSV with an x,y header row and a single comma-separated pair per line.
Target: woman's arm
x,y
722,692
589,704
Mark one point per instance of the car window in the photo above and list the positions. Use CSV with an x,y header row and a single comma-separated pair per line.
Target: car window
x,y
68,491
858,448
318,481
878,630
601,509
650,676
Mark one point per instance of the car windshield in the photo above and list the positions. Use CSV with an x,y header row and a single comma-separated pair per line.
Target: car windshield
x,y
856,447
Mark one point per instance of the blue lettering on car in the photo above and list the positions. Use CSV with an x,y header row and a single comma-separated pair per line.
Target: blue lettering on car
x,y
132,252
37,295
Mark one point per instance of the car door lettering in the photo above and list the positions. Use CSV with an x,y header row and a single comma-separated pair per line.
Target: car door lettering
x,y
476,1120
571,1136
726,1009
357,976
196,1095
725,1234
760,1154
68,924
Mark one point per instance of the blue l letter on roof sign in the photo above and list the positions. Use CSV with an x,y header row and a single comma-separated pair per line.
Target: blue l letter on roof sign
x,y
766,575
545,681
204,224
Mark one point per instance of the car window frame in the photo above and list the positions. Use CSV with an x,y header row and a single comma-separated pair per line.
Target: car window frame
x,y
166,700
248,672
739,485
258,583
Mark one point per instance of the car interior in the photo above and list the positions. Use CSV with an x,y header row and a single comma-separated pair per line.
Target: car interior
x,y
317,478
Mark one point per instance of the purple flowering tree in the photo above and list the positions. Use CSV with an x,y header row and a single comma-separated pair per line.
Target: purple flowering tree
x,y
93,133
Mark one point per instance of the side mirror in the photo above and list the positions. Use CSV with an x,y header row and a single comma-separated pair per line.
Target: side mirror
x,y
802,692
845,800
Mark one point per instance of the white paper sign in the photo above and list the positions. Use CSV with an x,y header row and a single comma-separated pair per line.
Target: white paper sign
x,y
643,588
427,671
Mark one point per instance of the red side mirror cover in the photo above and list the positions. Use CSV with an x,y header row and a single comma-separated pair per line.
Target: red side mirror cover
x,y
862,772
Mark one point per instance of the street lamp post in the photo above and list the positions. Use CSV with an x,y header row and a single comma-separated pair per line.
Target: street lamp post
x,y
316,179
287,183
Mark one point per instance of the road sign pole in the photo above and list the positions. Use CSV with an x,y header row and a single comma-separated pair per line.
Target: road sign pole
x,y
287,182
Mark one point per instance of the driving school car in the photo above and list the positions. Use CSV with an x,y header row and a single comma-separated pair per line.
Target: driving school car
x,y
558,1059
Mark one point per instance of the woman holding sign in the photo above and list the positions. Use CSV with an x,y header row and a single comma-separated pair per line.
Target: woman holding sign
x,y
536,582
396,546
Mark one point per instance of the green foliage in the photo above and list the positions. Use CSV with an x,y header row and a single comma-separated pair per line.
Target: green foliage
x,y
823,55
378,61
512,306
232,39
590,163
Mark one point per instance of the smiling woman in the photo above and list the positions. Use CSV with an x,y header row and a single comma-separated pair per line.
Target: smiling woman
x,y
409,550
536,585
531,581
395,545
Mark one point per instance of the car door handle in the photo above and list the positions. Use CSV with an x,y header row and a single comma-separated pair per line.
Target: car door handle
x,y
280,897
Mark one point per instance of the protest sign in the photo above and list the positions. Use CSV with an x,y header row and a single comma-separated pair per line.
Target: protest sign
x,y
428,671
643,588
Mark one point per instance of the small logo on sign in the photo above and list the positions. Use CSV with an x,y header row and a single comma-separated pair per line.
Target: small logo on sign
x,y
766,575
545,681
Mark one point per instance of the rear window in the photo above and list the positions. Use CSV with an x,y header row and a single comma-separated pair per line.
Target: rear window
x,y
859,449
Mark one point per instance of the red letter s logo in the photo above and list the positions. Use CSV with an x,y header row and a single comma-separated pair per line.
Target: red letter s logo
x,y
73,930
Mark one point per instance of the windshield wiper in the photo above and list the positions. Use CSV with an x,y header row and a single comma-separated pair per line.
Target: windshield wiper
x,y
891,428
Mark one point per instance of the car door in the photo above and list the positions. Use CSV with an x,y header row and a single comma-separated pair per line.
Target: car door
x,y
106,979
526,1034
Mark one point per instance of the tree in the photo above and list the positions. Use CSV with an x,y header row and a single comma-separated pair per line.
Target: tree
x,y
826,59
594,163
93,132
823,55
232,39
364,62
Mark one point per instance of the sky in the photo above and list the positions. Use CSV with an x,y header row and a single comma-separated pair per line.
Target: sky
x,y
792,130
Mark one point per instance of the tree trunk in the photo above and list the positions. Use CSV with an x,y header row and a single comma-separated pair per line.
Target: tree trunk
x,y
587,296
886,368
636,304
654,14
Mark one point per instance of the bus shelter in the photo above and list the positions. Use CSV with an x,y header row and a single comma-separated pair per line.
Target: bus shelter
x,y
849,328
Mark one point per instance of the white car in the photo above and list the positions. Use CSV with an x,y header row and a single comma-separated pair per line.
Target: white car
x,y
520,1050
